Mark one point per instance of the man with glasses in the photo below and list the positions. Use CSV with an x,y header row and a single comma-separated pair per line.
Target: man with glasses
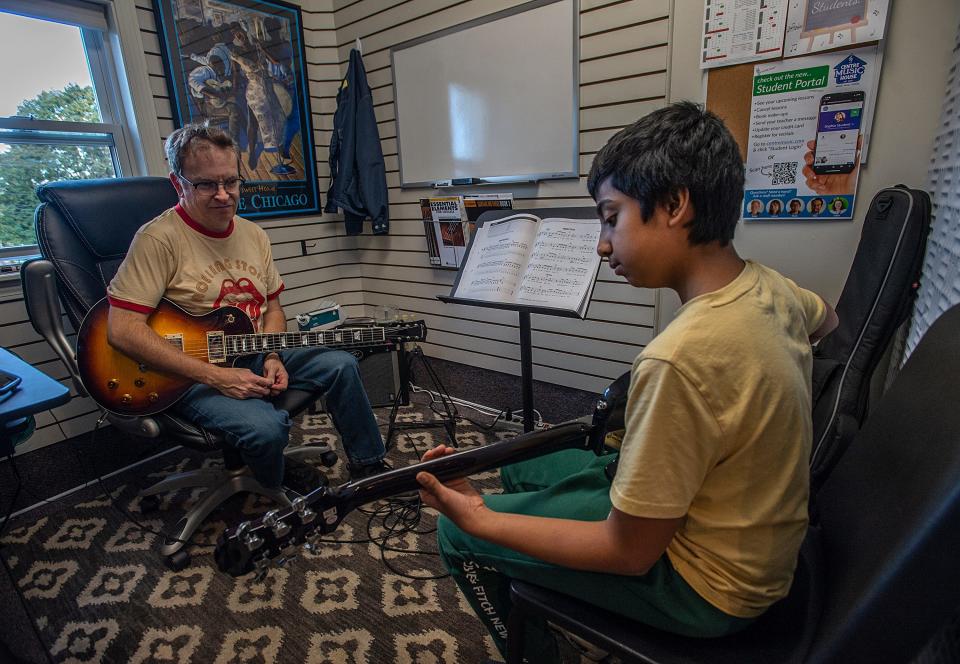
x,y
201,256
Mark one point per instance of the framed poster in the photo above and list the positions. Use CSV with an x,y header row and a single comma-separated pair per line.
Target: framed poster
x,y
240,65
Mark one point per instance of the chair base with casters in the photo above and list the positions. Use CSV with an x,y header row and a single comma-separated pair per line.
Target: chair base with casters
x,y
81,254
221,483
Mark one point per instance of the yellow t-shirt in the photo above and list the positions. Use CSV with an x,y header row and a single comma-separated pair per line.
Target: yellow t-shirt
x,y
174,257
718,429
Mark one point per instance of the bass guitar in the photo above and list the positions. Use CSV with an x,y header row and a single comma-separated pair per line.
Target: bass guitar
x,y
125,386
272,538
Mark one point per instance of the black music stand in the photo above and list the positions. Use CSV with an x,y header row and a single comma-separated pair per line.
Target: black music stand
x,y
523,312
448,420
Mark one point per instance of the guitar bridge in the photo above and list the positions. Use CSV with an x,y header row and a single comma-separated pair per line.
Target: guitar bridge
x,y
216,348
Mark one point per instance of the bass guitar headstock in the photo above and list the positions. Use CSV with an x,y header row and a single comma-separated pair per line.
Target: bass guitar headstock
x,y
271,538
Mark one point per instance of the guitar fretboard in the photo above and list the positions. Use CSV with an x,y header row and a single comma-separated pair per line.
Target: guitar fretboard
x,y
241,344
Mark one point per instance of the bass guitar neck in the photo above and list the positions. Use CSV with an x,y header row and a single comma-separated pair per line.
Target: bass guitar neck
x,y
254,544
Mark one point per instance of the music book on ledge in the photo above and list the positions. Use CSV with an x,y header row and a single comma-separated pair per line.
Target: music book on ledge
x,y
525,261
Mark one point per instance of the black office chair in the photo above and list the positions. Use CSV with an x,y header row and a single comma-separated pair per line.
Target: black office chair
x,y
84,229
875,580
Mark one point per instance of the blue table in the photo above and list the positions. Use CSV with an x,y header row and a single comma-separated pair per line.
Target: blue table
x,y
36,392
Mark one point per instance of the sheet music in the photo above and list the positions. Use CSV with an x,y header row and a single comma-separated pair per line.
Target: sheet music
x,y
533,262
497,259
563,264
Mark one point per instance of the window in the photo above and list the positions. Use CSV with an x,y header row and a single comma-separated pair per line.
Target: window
x,y
60,112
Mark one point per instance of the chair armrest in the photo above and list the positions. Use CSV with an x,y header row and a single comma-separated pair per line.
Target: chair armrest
x,y
43,307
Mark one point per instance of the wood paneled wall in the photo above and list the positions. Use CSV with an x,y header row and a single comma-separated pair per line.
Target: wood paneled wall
x,y
623,75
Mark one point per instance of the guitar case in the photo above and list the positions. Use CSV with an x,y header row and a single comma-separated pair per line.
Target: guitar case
x,y
876,300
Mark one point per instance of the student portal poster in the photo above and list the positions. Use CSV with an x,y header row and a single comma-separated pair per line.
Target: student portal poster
x,y
810,122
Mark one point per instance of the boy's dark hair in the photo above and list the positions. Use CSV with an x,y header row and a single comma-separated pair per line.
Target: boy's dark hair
x,y
676,147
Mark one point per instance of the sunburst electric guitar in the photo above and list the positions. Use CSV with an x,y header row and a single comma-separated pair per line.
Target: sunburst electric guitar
x,y
124,386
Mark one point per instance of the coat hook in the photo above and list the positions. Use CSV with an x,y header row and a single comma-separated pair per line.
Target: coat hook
x,y
359,47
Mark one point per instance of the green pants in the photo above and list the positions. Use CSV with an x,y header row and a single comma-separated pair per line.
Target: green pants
x,y
570,484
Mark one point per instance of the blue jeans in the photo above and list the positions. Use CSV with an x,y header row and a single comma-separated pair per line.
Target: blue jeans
x,y
260,431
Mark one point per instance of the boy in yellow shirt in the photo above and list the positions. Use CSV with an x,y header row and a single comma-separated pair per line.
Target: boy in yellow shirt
x,y
699,530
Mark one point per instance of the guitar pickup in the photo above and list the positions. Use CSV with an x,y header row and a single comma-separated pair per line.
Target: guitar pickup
x,y
175,340
216,347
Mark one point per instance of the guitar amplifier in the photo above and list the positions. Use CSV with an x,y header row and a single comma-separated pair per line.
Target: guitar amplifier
x,y
380,373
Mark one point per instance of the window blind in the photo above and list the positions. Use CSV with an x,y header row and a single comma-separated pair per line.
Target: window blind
x,y
72,12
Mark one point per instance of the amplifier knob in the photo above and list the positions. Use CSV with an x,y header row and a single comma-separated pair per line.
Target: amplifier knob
x,y
139,382
126,398
153,397
113,383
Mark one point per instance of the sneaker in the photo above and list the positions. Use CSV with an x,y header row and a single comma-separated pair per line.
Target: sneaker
x,y
358,472
301,477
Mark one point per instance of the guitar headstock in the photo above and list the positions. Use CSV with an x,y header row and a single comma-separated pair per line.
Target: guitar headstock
x,y
254,544
405,330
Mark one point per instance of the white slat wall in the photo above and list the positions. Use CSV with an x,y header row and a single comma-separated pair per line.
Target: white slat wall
x,y
330,270
623,75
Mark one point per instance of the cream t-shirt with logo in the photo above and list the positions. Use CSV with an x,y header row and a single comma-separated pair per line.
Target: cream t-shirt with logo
x,y
175,257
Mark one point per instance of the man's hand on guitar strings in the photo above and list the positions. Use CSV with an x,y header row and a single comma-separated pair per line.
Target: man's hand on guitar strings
x,y
458,500
241,383
274,371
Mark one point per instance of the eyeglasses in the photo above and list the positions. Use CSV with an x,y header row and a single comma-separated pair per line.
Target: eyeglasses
x,y
210,187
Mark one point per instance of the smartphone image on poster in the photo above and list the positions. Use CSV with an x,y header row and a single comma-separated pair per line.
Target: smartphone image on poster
x,y
838,129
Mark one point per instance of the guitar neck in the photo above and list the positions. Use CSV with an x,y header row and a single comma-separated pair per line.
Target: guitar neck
x,y
570,435
267,342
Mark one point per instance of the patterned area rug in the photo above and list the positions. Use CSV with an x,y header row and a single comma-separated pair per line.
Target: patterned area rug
x,y
100,592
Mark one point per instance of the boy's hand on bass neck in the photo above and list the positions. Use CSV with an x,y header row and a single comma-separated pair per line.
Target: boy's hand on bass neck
x,y
458,500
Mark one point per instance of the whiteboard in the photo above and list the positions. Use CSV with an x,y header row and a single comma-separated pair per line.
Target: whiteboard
x,y
492,100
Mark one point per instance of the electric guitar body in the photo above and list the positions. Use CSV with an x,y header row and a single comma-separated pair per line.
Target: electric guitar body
x,y
125,386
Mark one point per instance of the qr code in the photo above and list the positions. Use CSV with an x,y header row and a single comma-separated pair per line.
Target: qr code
x,y
784,172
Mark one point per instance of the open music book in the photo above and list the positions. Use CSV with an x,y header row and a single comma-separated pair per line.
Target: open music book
x,y
529,261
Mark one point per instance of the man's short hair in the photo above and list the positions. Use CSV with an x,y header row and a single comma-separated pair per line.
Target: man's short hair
x,y
681,146
179,143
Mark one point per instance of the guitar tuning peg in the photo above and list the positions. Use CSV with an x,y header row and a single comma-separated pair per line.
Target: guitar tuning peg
x,y
312,543
252,541
305,514
283,560
271,520
262,566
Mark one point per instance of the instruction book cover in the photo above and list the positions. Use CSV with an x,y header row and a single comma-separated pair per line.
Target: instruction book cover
x,y
449,222
444,220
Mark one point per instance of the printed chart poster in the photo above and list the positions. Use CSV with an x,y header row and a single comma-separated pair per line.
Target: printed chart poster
x,y
809,121
741,31
820,25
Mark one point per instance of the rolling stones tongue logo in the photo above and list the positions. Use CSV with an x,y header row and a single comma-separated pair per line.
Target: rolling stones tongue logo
x,y
243,295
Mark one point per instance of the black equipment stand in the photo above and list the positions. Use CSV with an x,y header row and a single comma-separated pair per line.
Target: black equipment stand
x,y
523,312
447,420
526,346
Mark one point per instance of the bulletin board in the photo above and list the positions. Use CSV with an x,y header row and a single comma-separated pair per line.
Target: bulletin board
x,y
729,93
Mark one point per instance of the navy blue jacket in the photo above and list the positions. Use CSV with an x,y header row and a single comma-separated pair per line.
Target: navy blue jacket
x,y
358,179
